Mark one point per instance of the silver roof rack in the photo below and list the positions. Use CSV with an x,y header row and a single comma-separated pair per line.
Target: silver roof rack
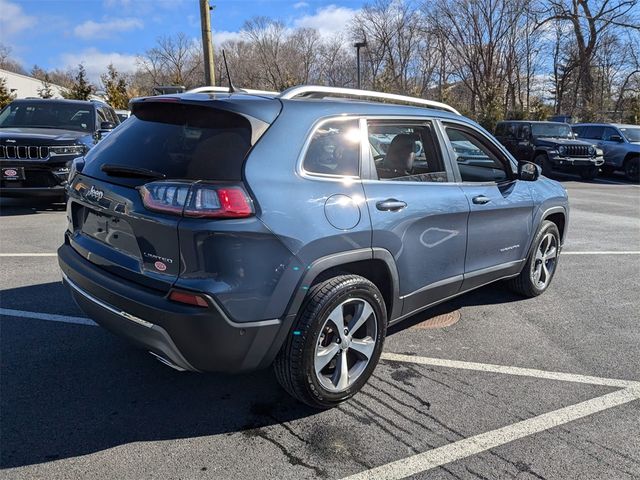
x,y
312,91
212,89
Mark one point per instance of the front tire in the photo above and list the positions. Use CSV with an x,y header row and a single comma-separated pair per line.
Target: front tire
x,y
632,169
541,264
335,343
544,162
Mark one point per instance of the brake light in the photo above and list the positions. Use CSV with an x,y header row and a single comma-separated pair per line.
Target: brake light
x,y
198,200
188,298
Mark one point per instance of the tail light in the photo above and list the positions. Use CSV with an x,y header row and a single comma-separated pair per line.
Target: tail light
x,y
199,200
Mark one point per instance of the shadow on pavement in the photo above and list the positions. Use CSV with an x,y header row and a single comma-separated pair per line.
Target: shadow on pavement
x,y
71,390
19,206
493,294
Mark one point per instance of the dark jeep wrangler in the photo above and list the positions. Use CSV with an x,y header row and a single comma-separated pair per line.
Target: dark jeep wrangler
x,y
551,145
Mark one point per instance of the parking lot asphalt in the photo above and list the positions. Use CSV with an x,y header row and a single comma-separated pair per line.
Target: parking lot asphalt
x,y
480,399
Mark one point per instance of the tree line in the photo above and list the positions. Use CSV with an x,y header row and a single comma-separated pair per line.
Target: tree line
x,y
491,59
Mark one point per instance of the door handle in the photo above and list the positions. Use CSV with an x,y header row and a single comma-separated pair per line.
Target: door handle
x,y
481,200
390,204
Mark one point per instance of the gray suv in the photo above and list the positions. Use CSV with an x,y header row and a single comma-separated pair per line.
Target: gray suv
x,y
620,144
229,232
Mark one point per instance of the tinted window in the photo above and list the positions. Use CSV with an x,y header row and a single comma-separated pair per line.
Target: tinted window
x,y
524,131
177,140
334,149
608,131
48,114
476,160
406,151
592,132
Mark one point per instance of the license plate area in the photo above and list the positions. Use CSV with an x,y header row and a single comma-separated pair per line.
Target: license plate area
x,y
108,229
13,174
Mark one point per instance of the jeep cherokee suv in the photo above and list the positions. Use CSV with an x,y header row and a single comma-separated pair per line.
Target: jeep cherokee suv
x,y
620,144
39,138
227,232
550,145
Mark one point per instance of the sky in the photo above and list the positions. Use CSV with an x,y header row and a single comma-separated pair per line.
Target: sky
x,y
63,33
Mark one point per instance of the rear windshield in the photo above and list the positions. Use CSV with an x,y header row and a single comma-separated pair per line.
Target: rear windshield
x,y
177,140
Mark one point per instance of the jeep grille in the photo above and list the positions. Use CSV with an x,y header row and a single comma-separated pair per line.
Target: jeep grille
x,y
23,152
577,151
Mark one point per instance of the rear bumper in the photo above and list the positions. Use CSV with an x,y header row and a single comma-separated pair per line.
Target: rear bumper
x,y
189,338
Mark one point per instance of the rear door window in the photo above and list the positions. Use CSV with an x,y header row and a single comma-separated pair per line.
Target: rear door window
x,y
180,141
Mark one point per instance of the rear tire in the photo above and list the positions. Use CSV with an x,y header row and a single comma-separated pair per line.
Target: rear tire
x,y
541,264
342,323
632,169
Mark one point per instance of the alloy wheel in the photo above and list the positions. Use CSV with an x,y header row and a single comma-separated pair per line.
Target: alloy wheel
x,y
346,344
545,261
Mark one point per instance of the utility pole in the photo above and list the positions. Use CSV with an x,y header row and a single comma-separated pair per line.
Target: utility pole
x,y
207,42
358,46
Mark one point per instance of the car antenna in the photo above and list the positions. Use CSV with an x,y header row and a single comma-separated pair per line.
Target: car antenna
x,y
226,67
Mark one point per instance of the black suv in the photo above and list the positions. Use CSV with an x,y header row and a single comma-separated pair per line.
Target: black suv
x,y
551,145
38,139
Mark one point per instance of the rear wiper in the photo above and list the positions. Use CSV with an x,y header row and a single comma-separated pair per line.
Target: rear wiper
x,y
131,172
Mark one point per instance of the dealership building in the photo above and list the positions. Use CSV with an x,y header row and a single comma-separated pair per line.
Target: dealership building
x,y
23,86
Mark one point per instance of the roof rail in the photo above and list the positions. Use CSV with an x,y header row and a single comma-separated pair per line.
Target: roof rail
x,y
313,91
211,89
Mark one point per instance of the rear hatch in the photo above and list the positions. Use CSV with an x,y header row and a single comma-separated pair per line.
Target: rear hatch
x,y
165,152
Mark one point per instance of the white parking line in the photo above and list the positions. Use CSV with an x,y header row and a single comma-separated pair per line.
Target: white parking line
x,y
47,316
610,252
485,441
28,254
523,372
467,447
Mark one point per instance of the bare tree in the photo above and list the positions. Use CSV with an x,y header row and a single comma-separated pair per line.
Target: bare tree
x,y
590,20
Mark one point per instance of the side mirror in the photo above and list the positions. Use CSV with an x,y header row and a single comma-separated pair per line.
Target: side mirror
x,y
528,172
107,126
616,138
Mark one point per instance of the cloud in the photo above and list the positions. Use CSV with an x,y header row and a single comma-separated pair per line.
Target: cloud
x,y
105,29
95,62
13,20
219,37
329,21
300,5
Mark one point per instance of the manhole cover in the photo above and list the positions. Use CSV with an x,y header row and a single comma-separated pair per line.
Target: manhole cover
x,y
440,321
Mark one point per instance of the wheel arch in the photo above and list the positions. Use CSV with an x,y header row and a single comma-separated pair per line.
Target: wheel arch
x,y
557,215
375,264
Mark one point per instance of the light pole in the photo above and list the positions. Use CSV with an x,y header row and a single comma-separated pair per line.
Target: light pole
x,y
358,46
207,43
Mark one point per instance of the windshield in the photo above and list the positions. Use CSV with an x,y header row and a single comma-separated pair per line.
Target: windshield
x,y
561,130
631,134
67,116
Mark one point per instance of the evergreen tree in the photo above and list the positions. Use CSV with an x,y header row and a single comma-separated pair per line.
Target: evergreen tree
x,y
116,88
81,89
6,97
46,91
